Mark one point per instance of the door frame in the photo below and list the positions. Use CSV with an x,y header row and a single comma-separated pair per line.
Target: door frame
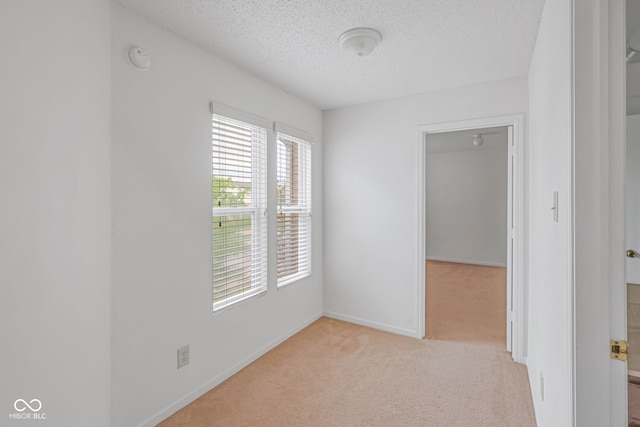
x,y
613,24
515,286
599,287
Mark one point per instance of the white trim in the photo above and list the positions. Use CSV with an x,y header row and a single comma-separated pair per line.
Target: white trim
x,y
218,308
240,210
235,114
279,127
303,206
371,324
292,278
209,385
510,238
571,309
466,261
421,241
616,86
517,122
226,165
598,40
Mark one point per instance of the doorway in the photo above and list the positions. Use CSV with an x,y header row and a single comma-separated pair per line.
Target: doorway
x,y
514,315
632,209
632,213
466,183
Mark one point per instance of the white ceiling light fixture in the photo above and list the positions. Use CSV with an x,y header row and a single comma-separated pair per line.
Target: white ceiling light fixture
x,y
360,41
633,48
478,140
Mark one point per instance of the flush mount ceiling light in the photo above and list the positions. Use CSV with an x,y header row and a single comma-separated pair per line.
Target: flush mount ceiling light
x,y
360,41
478,140
633,48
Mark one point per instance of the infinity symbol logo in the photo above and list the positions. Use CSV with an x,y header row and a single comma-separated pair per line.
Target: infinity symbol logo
x,y
26,405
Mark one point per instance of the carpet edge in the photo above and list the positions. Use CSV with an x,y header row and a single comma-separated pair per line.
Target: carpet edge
x,y
209,385
372,324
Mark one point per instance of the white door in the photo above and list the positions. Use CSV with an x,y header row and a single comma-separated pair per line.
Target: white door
x,y
632,199
510,235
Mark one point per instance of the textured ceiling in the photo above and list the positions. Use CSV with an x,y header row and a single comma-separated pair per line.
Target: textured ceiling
x,y
427,44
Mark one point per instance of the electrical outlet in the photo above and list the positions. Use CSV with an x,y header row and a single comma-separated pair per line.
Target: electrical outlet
x,y
183,356
541,386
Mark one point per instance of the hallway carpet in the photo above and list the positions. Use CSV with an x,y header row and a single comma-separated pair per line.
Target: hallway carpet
x,y
334,373
466,302
634,401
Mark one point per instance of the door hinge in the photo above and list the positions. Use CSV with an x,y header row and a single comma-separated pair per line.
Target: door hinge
x,y
619,350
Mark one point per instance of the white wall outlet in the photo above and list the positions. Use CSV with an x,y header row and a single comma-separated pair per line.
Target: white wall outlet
x,y
183,356
542,386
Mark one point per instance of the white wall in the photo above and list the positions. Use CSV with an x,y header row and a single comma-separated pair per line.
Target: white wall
x,y
162,226
633,68
550,297
633,88
466,198
54,210
371,181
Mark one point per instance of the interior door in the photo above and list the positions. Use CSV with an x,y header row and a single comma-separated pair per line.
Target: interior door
x,y
632,230
510,235
614,24
632,199
632,220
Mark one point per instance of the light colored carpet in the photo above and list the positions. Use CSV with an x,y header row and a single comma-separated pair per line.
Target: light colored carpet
x,y
634,401
466,302
334,373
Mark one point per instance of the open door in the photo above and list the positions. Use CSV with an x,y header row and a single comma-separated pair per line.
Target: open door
x,y
632,231
510,235
515,292
632,201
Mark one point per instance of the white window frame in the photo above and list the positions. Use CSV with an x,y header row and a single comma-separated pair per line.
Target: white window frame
x,y
257,210
304,209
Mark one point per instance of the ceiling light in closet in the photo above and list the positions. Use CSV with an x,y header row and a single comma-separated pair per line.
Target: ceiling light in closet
x,y
478,140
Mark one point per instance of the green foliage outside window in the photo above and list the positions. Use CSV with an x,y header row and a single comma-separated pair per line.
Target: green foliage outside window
x,y
226,193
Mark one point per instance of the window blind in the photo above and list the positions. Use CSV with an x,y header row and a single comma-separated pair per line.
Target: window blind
x,y
294,208
239,193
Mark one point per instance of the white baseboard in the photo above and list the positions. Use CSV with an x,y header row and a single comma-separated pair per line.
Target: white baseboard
x,y
187,399
466,261
372,324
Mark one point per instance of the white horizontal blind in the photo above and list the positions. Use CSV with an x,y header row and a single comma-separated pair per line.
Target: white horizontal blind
x,y
239,210
294,208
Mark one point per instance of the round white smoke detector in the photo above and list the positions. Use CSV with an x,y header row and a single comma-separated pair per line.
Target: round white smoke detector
x,y
139,58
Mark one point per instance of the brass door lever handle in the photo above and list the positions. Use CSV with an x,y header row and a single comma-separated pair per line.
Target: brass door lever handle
x,y
631,253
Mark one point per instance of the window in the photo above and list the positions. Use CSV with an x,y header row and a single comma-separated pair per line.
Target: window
x,y
294,208
239,210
